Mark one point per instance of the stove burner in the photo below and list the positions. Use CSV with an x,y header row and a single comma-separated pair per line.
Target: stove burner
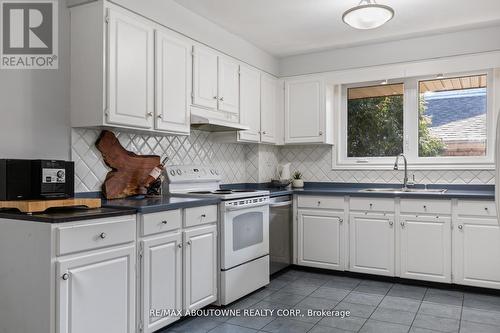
x,y
242,191
200,192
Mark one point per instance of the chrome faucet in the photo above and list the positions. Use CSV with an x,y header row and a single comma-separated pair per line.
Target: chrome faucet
x,y
405,179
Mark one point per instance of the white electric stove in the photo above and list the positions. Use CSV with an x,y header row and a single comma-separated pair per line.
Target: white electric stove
x,y
243,229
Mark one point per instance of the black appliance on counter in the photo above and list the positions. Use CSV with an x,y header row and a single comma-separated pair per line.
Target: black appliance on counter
x,y
36,179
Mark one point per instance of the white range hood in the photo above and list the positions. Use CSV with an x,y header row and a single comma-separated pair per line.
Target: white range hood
x,y
205,123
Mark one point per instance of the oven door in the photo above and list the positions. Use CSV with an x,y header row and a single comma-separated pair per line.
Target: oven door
x,y
245,234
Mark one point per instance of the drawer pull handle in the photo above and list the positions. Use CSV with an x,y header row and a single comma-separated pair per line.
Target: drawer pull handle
x,y
460,226
103,235
65,276
164,222
188,242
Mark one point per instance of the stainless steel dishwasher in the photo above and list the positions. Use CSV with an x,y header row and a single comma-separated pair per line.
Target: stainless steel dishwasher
x,y
280,232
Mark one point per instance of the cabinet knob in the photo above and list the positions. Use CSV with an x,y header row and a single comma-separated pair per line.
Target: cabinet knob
x,y
319,203
103,235
149,114
425,207
341,220
402,224
460,226
179,245
391,223
65,276
486,208
221,99
320,132
164,222
371,205
264,132
189,242
203,215
159,116
215,97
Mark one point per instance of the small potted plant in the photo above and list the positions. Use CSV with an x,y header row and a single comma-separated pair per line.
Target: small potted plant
x,y
297,180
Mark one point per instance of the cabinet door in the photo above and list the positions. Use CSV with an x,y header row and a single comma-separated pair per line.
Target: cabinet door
x,y
161,279
476,249
305,111
229,85
173,83
200,267
268,109
130,65
320,239
372,243
425,248
250,104
96,292
205,78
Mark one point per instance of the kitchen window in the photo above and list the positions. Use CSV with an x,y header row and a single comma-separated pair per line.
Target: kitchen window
x,y
437,122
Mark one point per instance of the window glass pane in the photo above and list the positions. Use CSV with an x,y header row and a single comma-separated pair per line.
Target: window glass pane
x,y
375,121
452,116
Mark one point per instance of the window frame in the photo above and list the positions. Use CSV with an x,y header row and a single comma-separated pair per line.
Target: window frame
x,y
410,130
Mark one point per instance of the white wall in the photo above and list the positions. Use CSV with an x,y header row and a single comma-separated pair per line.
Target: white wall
x,y
34,106
430,47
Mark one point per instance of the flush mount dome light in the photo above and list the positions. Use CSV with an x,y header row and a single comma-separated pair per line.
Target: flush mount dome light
x,y
368,15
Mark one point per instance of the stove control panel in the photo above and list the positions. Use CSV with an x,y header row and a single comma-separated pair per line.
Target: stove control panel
x,y
192,173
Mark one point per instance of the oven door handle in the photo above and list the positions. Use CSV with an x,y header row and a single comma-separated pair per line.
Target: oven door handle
x,y
260,204
280,204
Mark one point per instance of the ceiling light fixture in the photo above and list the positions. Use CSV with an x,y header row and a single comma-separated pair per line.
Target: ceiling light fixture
x,y
384,82
368,15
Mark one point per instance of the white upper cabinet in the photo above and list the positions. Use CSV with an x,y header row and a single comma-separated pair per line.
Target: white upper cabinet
x,y
229,94
216,85
307,112
205,78
268,111
130,65
173,82
250,104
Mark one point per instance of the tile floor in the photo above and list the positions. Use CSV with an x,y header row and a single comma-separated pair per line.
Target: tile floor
x,y
376,307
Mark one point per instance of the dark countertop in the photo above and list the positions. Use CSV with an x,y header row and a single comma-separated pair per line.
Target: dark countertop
x,y
147,205
480,192
60,215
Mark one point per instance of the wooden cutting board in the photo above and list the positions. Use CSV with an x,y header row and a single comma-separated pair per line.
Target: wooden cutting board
x,y
38,206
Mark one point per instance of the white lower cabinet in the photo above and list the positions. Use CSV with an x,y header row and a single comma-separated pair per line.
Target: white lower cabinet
x,y
320,239
200,267
96,292
476,245
178,263
161,282
425,247
371,243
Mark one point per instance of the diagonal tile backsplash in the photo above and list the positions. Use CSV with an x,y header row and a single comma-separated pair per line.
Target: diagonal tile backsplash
x,y
242,163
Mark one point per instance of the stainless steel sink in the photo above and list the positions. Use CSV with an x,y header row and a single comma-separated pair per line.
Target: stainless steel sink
x,y
402,190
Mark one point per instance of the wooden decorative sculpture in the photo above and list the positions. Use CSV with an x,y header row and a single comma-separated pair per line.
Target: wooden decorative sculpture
x,y
129,174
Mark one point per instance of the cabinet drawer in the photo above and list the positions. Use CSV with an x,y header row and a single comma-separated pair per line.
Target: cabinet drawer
x,y
372,204
477,208
310,201
160,222
200,215
84,237
423,206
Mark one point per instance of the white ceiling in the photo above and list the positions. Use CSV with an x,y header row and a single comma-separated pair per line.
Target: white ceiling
x,y
287,27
